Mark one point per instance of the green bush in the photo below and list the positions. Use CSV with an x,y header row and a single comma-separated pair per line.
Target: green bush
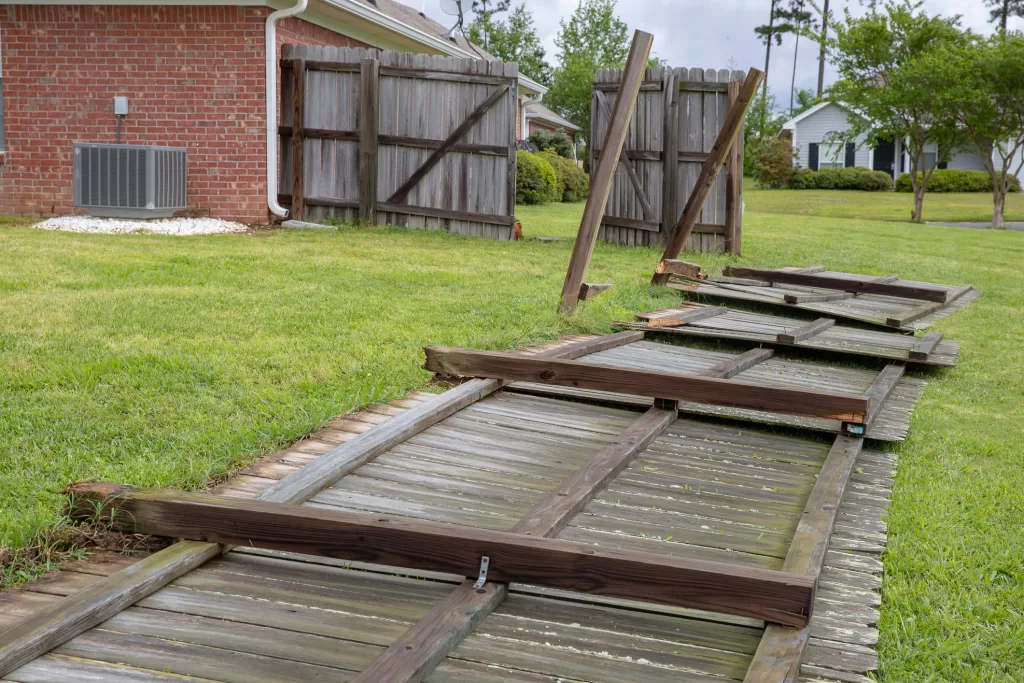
x,y
536,182
573,184
947,180
557,142
773,162
840,179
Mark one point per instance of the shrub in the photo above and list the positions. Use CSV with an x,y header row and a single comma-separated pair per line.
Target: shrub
x,y
557,142
773,162
948,180
535,179
840,179
573,184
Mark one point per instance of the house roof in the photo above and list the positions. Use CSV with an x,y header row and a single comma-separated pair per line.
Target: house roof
x,y
536,110
400,18
791,124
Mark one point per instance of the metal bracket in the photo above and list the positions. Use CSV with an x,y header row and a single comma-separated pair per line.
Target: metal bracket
x,y
854,429
482,579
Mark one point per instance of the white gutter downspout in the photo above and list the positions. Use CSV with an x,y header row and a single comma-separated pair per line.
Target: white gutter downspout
x,y
271,80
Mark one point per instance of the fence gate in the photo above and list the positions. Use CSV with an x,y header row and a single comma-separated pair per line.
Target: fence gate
x,y
679,113
399,139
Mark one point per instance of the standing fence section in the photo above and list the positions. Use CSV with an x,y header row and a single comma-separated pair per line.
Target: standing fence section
x,y
396,138
678,115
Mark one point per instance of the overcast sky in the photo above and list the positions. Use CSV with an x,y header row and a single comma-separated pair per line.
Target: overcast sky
x,y
718,33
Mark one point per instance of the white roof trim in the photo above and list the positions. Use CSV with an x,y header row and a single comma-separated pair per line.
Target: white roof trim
x,y
789,125
553,119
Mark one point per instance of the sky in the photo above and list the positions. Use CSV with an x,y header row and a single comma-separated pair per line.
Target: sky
x,y
719,33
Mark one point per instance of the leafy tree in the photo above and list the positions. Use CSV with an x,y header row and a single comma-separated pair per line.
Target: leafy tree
x,y
982,83
514,40
1002,10
763,124
805,99
592,38
874,56
484,11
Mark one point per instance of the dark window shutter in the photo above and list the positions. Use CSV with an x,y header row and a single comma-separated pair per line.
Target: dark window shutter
x,y
851,155
943,165
812,156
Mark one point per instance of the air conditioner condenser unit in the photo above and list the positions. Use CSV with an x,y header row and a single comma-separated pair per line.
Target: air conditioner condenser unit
x,y
130,181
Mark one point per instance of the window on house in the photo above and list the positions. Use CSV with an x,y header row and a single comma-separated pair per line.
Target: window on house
x,y
930,158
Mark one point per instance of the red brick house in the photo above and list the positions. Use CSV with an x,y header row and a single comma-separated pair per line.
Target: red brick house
x,y
196,75
537,117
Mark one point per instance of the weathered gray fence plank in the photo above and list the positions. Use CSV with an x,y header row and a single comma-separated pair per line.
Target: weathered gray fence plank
x,y
423,100
678,116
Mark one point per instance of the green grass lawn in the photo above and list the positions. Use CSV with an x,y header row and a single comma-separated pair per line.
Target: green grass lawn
x,y
881,206
167,361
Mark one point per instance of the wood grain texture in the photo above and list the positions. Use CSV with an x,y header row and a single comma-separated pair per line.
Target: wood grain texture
x,y
601,179
369,105
589,290
921,311
682,387
928,293
880,390
420,649
811,298
549,517
734,366
778,657
922,349
711,168
627,164
675,317
298,138
68,618
65,619
805,332
400,542
677,267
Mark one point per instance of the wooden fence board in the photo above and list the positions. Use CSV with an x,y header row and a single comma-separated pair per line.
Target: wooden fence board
x,y
467,185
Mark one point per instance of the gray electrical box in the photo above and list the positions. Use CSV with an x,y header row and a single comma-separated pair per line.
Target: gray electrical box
x,y
120,106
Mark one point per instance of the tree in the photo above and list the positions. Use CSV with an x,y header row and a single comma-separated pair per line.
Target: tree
x,y
592,38
763,124
823,51
805,99
798,21
484,11
514,40
767,33
875,57
1002,10
982,83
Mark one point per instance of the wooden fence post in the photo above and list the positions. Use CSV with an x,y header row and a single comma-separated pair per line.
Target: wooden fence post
x,y
709,173
369,105
601,183
298,137
670,156
733,179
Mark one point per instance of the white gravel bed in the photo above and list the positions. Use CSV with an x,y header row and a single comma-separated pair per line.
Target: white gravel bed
x,y
116,226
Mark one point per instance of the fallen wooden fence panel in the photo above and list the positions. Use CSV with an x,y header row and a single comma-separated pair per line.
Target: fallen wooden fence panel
x,y
390,540
891,424
718,322
716,492
661,385
899,313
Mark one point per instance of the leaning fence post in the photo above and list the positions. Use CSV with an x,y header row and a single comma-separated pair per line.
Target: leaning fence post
x,y
733,178
601,183
298,137
369,96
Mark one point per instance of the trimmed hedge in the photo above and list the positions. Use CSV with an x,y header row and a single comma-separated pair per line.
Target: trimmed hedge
x,y
536,182
948,180
573,184
855,178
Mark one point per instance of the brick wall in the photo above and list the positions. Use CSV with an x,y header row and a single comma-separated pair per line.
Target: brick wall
x,y
194,77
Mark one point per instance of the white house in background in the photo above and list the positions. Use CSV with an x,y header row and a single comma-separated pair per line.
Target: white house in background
x,y
811,132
